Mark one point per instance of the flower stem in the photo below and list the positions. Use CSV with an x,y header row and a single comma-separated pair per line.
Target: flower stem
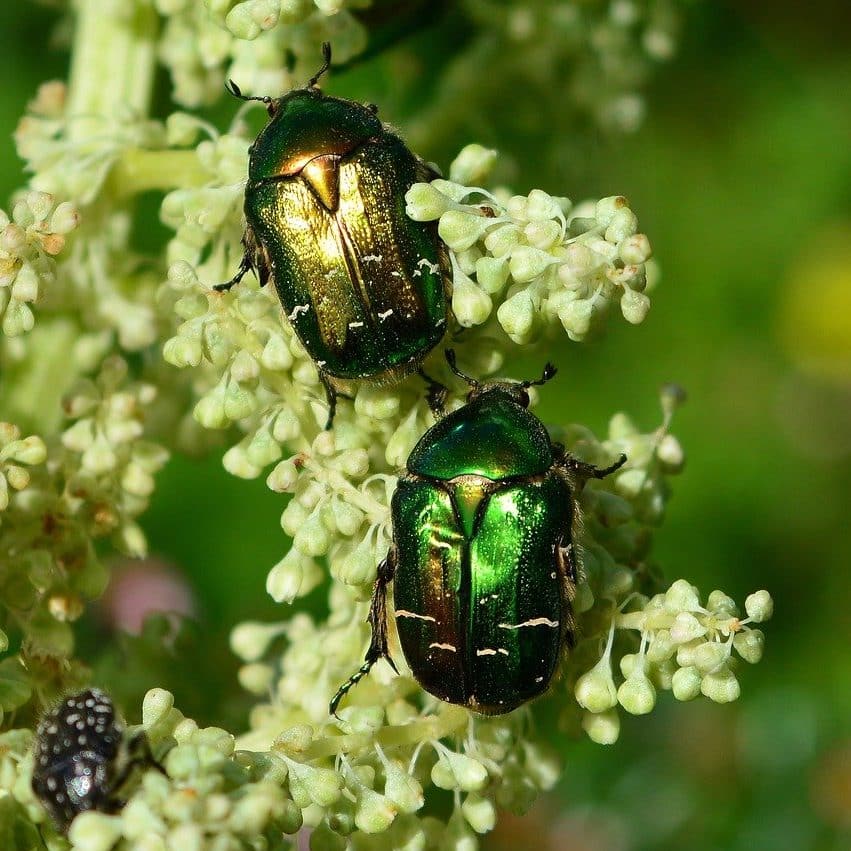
x,y
113,61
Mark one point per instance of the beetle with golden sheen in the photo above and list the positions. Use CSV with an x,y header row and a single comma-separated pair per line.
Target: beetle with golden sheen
x,y
365,287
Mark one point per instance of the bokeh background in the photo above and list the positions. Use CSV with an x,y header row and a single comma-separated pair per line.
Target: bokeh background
x,y
741,176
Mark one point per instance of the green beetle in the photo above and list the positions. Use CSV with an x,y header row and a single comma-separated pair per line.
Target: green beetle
x,y
483,561
365,287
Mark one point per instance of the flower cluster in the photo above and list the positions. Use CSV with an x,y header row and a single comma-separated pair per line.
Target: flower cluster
x,y
203,44
29,242
546,259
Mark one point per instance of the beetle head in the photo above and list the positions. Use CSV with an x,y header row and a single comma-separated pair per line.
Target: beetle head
x,y
517,391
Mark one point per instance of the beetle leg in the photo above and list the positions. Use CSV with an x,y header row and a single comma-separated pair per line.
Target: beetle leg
x,y
244,267
139,755
568,567
436,394
589,471
378,625
331,395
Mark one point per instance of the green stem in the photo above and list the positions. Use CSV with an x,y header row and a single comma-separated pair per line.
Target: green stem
x,y
112,65
139,171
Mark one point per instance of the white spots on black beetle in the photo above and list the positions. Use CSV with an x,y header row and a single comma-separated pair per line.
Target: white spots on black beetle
x,y
372,258
404,613
542,621
355,324
539,679
492,651
416,273
432,267
395,274
297,311
438,646
385,314
321,363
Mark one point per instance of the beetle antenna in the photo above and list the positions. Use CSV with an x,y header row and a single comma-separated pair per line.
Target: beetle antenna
x,y
450,359
234,89
546,375
326,64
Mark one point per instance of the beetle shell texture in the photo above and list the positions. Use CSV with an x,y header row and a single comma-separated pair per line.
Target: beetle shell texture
x,y
482,586
364,286
76,746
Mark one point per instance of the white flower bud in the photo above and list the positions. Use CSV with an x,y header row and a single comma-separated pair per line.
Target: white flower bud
x,y
682,597
622,225
710,655
288,578
685,683
401,788
635,249
517,316
156,705
377,403
460,230
634,306
686,627
603,728
607,207
636,694
721,686
491,274
250,640
576,317
424,203
528,263
472,165
470,303
721,605
95,831
595,690
479,812
312,537
458,771
750,644
502,239
759,606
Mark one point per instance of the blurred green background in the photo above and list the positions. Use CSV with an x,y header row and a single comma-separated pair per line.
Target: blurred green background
x,y
741,176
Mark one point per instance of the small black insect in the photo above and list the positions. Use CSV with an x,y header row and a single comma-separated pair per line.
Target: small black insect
x,y
82,757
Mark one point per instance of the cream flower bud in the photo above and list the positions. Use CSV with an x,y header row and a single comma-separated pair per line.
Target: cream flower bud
x,y
602,728
472,165
759,606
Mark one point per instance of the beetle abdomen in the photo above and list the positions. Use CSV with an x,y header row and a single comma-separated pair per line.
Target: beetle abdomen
x,y
477,592
362,284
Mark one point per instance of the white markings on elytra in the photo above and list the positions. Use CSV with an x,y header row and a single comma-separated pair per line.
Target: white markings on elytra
x,y
374,258
404,613
539,679
383,315
395,274
297,310
416,273
432,267
490,651
438,646
355,324
531,622
321,363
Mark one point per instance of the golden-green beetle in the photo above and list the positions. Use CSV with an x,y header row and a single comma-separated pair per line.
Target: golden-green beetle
x,y
365,287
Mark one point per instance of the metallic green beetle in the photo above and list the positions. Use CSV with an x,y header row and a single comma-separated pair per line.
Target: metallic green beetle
x,y
483,561
365,287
